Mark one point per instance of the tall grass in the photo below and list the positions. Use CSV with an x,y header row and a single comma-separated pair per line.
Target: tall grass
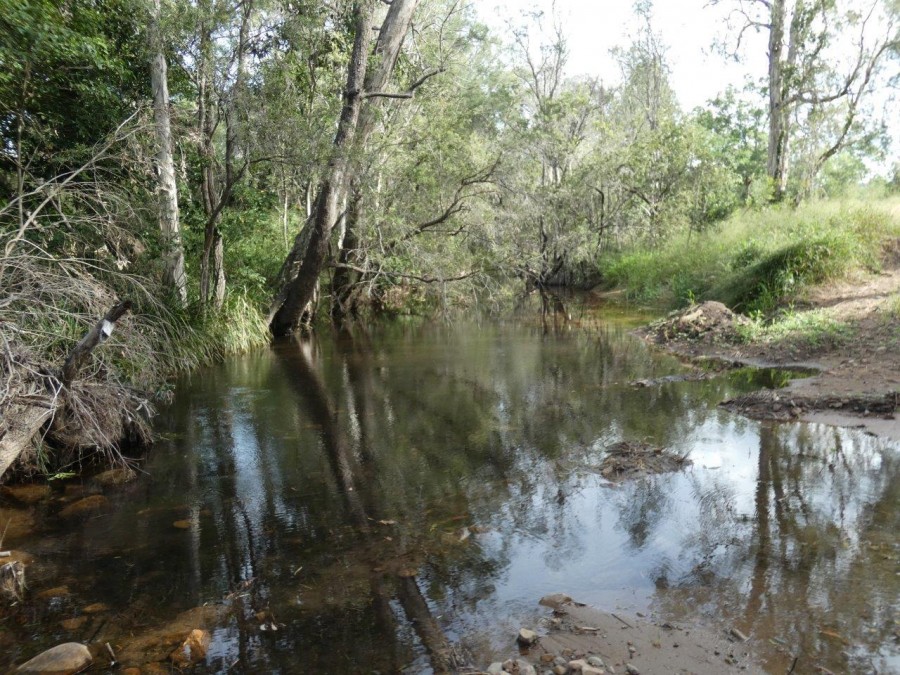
x,y
758,259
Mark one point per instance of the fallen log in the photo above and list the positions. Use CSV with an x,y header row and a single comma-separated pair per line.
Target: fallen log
x,y
23,423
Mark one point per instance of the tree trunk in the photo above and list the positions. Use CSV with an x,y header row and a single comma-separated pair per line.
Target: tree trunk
x,y
298,290
173,253
779,112
387,51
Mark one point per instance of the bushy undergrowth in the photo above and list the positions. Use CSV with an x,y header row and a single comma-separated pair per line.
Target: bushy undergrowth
x,y
758,259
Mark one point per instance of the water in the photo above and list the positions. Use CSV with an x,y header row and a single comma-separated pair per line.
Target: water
x,y
375,498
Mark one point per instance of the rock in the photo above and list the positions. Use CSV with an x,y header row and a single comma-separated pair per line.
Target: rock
x,y
64,659
26,494
55,592
18,556
16,523
560,670
496,668
131,671
592,670
596,661
113,477
524,668
526,637
560,661
555,600
83,506
631,670
193,649
95,608
738,635
74,623
577,665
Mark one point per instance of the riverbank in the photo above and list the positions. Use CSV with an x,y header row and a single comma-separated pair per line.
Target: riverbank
x,y
847,331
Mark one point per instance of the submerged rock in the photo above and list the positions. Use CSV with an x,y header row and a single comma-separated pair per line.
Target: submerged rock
x,y
64,659
16,523
118,476
193,649
82,506
26,494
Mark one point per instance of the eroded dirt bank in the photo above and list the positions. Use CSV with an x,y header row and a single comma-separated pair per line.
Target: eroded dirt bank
x,y
856,355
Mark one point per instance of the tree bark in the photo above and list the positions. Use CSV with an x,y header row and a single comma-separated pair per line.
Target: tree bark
x,y
173,252
387,51
298,290
779,113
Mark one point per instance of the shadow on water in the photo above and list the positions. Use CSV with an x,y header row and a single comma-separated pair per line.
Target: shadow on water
x,y
399,501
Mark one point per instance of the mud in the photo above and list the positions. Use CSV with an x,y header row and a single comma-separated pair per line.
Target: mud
x,y
575,631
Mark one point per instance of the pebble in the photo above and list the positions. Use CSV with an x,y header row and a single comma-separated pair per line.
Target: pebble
x,y
631,670
596,661
527,637
560,670
496,668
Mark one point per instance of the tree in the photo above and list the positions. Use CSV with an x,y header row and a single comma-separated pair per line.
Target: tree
x,y
173,253
306,259
308,255
805,39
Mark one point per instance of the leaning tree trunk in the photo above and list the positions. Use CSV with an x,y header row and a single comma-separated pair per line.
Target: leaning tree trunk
x,y
299,288
779,113
173,253
387,51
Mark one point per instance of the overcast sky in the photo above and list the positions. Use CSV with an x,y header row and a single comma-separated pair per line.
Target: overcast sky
x,y
688,29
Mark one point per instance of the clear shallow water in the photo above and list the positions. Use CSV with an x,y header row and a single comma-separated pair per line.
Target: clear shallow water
x,y
317,478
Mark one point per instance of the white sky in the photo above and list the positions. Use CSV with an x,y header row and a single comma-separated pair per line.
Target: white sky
x,y
688,28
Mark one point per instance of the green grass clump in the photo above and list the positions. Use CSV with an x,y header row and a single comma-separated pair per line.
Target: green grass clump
x,y
814,329
758,259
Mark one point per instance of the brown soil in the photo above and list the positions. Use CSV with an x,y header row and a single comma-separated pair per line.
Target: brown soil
x,y
858,383
627,644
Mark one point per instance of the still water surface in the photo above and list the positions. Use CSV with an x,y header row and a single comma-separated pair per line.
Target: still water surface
x,y
379,495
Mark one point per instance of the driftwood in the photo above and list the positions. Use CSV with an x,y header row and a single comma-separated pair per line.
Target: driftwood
x,y
25,419
100,332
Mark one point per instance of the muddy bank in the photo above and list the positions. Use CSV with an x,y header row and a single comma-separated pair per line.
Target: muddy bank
x,y
575,638
856,384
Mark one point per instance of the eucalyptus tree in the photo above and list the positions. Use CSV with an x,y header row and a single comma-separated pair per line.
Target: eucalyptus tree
x,y
825,57
308,256
173,252
415,211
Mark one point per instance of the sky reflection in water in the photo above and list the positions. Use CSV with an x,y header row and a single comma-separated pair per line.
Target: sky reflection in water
x,y
330,472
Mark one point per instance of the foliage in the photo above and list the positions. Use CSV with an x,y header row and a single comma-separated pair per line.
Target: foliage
x,y
756,259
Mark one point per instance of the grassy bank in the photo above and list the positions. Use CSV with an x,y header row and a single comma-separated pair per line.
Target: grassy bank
x,y
758,260
48,305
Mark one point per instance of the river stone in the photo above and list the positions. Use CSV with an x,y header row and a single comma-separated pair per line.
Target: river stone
x,y
524,668
64,659
193,649
527,637
74,623
16,523
596,661
588,669
26,494
555,600
118,476
496,668
82,506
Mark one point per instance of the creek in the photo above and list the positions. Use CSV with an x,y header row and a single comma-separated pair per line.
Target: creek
x,y
360,501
